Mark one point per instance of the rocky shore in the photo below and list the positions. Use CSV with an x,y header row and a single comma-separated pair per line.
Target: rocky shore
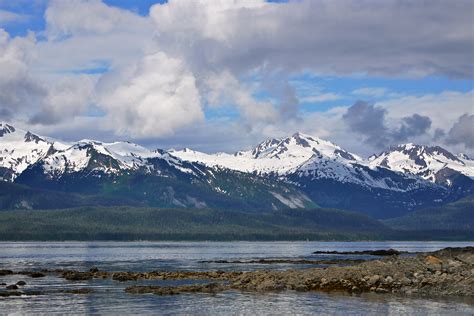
x,y
448,272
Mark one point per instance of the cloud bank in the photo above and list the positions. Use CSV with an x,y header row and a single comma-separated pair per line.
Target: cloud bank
x,y
161,74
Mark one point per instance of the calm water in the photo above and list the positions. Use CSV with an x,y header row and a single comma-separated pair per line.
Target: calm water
x,y
109,297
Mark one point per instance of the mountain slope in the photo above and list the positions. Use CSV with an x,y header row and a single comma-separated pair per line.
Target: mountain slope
x,y
453,216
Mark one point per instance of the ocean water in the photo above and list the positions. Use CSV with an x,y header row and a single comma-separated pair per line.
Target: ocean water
x,y
109,296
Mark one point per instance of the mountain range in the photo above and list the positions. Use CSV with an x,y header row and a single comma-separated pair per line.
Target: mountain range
x,y
299,171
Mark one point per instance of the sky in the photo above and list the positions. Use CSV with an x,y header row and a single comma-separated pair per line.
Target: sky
x,y
223,75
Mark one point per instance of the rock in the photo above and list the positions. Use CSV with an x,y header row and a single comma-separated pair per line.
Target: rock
x,y
37,275
10,293
373,279
432,260
21,283
406,281
94,270
388,280
381,290
124,276
77,276
356,290
79,291
12,287
33,274
170,290
380,252
5,272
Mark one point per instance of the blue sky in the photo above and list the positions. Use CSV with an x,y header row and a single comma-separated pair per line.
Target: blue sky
x,y
300,74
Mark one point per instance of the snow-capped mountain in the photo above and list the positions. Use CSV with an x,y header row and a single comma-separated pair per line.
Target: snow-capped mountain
x,y
295,171
430,163
20,149
306,157
125,173
277,156
309,156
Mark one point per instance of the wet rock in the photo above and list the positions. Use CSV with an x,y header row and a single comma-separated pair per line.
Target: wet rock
x,y
356,290
32,274
10,293
12,287
174,290
21,283
77,276
78,291
381,290
5,272
124,276
289,261
19,293
380,252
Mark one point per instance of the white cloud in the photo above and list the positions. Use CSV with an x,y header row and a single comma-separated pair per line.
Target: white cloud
x,y
84,34
152,98
164,68
19,91
93,17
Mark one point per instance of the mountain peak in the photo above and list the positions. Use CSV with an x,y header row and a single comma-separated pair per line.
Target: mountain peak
x,y
6,129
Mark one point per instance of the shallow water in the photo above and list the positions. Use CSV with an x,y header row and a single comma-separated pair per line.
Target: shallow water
x,y
109,297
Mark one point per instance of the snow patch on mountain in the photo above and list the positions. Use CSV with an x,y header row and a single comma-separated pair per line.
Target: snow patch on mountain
x,y
278,156
18,150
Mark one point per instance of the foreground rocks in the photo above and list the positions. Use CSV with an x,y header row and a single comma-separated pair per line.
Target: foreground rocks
x,y
448,272
442,273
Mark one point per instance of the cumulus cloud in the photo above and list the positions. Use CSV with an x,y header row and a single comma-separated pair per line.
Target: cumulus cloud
x,y
25,96
19,91
152,98
462,131
345,37
67,98
86,34
163,70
